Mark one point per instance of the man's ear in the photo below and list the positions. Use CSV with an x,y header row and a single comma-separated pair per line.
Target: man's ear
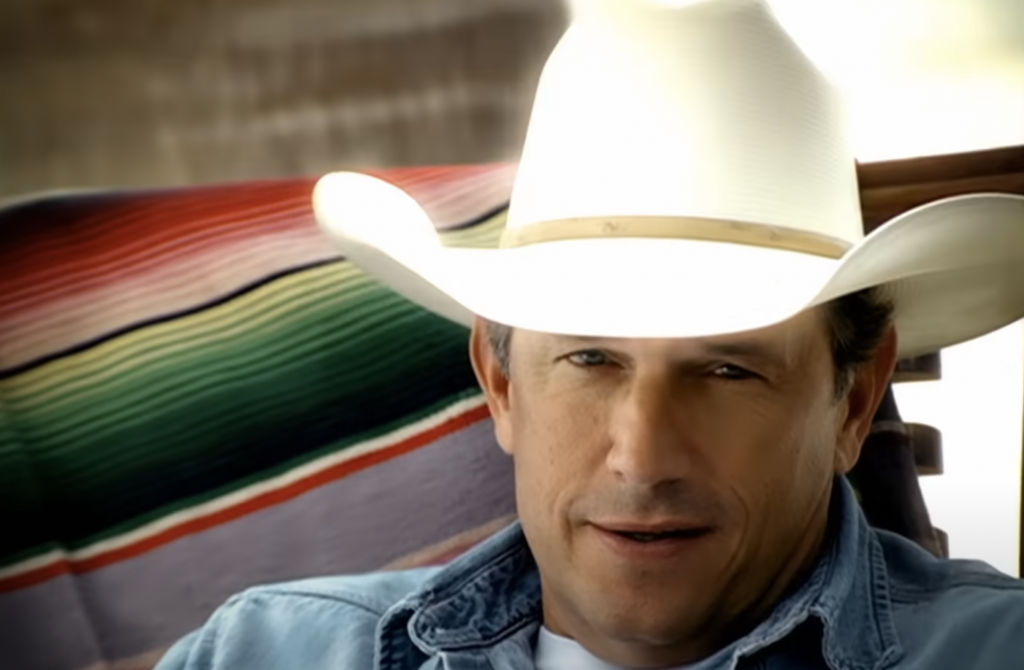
x,y
492,380
867,389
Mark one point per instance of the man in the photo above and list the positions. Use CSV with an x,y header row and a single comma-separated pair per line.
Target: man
x,y
698,336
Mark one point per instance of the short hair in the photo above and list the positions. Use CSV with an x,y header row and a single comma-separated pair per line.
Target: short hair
x,y
857,323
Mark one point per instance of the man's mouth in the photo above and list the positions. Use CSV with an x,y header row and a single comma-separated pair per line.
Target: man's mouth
x,y
682,533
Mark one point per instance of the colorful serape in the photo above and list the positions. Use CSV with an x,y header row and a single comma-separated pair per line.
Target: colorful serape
x,y
197,394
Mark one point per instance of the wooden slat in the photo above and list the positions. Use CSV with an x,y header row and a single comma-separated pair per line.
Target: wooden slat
x,y
881,204
950,167
927,443
927,368
891,188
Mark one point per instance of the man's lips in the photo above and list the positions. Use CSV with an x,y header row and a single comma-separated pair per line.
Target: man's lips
x,y
652,528
649,532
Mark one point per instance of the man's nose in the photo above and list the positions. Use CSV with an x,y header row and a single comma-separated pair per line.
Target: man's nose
x,y
649,443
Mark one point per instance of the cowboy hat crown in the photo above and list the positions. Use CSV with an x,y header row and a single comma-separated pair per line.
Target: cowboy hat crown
x,y
687,172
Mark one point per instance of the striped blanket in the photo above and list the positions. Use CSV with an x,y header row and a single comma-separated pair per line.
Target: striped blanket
x,y
197,394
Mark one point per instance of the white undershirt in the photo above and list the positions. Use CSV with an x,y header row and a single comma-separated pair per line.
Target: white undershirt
x,y
555,652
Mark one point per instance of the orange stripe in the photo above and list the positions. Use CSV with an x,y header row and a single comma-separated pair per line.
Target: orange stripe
x,y
244,508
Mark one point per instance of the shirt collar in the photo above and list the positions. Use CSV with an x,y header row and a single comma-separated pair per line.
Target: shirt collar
x,y
847,592
493,593
487,595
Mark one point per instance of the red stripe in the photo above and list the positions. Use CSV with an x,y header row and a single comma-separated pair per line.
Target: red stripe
x,y
75,248
108,222
100,272
112,226
139,233
244,508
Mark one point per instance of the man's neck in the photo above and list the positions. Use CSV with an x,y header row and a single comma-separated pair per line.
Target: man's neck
x,y
793,574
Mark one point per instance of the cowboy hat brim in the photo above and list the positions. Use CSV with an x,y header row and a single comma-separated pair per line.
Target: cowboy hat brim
x,y
954,270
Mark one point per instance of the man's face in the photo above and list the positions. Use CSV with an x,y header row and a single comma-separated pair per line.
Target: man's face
x,y
671,489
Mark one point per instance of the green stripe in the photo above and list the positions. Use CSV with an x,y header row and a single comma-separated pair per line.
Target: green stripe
x,y
157,382
369,361
182,504
196,388
336,360
335,282
117,452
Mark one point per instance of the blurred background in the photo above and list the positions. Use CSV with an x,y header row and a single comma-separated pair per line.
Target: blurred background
x,y
127,93
153,93
113,93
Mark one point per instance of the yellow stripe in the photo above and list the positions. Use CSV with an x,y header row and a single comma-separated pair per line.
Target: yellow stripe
x,y
130,353
118,359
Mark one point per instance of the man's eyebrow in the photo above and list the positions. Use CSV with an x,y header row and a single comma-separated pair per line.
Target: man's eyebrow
x,y
751,349
580,340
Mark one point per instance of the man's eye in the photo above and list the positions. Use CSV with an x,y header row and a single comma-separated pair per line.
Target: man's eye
x,y
733,372
587,359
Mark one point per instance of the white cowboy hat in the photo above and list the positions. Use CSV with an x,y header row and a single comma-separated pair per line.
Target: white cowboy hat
x,y
687,172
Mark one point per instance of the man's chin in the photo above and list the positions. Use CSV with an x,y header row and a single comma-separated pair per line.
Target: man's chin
x,y
647,639
646,619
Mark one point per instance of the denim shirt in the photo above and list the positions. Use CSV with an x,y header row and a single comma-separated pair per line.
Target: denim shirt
x,y
872,601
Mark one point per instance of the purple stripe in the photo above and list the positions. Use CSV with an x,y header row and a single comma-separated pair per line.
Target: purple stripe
x,y
353,525
46,627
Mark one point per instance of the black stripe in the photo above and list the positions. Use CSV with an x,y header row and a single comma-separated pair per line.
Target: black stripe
x,y
164,318
476,221
120,332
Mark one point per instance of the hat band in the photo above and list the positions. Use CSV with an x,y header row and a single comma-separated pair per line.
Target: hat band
x,y
678,227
